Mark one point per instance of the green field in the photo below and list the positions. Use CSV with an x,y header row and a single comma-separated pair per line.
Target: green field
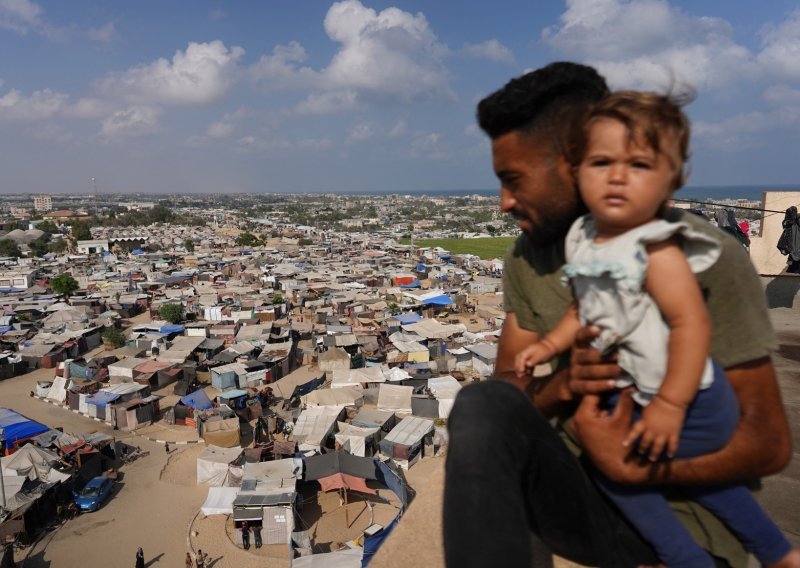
x,y
495,247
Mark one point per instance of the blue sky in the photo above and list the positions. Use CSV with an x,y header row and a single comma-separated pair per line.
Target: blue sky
x,y
292,96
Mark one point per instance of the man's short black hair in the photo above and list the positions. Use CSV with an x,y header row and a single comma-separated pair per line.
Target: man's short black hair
x,y
544,103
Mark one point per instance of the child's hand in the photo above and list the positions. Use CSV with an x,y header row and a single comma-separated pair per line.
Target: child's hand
x,y
659,428
527,359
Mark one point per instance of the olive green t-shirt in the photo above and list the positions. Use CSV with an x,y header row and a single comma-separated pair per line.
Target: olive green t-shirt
x,y
534,293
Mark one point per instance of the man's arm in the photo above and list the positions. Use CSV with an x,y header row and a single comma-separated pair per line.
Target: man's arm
x,y
760,446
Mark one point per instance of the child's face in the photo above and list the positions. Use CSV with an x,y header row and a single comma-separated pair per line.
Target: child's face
x,y
622,181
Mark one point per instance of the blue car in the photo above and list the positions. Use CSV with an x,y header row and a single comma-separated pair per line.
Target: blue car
x,y
94,493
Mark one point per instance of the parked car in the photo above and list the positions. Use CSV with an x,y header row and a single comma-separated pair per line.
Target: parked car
x,y
94,493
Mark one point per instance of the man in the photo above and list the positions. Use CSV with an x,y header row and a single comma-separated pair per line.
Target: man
x,y
509,472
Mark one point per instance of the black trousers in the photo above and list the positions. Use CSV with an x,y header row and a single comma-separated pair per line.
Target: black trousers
x,y
508,474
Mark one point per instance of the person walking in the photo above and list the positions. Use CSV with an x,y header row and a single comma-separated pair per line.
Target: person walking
x,y
139,558
166,446
189,562
200,561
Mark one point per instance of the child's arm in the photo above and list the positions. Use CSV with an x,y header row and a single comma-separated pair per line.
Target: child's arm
x,y
674,289
559,340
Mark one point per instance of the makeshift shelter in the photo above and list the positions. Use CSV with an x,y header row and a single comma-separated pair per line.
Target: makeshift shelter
x,y
334,358
219,467
404,442
395,398
197,400
222,432
357,440
16,428
334,397
226,376
219,501
314,425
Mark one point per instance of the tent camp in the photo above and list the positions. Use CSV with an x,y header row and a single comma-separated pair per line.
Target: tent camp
x,y
219,467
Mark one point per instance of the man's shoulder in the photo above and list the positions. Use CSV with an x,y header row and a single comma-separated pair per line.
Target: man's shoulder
x,y
731,250
545,258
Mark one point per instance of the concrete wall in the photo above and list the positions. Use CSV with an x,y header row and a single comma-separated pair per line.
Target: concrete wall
x,y
764,249
782,290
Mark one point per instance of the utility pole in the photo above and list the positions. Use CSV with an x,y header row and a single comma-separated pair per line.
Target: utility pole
x,y
94,191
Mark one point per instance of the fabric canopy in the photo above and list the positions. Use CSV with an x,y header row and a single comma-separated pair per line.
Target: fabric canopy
x,y
197,400
438,301
15,427
219,501
342,480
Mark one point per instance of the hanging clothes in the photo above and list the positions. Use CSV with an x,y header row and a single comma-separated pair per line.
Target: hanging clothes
x,y
726,221
789,241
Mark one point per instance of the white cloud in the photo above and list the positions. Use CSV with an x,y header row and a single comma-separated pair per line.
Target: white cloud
x,y
38,106
491,49
429,145
650,44
220,130
361,132
390,56
781,94
200,75
280,69
327,103
102,34
780,52
398,129
20,16
132,122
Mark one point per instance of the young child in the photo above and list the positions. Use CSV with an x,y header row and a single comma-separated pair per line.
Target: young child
x,y
632,275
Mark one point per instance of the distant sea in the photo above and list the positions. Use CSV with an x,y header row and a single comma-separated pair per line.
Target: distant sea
x,y
700,192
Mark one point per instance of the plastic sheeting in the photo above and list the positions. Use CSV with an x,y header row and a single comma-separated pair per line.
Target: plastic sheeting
x,y
213,464
334,397
58,392
342,559
395,398
15,427
219,501
314,425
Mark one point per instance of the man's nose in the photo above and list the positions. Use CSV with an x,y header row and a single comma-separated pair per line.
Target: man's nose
x,y
507,201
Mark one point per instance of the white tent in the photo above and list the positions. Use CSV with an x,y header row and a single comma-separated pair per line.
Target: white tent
x,y
445,390
273,477
334,397
219,501
58,391
396,398
314,425
353,439
213,465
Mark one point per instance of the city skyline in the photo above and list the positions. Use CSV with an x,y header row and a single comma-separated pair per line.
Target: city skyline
x,y
353,96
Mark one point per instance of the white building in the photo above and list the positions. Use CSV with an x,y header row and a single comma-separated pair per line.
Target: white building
x,y
42,203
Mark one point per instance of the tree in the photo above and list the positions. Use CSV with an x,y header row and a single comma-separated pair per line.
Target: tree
x,y
188,244
81,231
303,242
277,299
58,246
64,284
9,248
39,247
247,240
173,313
114,338
48,227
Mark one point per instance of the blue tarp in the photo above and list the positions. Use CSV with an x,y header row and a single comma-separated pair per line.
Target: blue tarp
x,y
414,284
421,268
15,426
137,251
197,400
233,393
6,328
438,301
172,328
102,398
408,318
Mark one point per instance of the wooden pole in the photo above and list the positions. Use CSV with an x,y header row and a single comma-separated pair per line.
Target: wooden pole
x,y
346,514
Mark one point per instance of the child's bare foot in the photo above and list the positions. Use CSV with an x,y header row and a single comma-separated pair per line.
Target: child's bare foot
x,y
791,560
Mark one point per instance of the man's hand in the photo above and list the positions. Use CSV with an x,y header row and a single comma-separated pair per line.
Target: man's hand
x,y
602,433
590,371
